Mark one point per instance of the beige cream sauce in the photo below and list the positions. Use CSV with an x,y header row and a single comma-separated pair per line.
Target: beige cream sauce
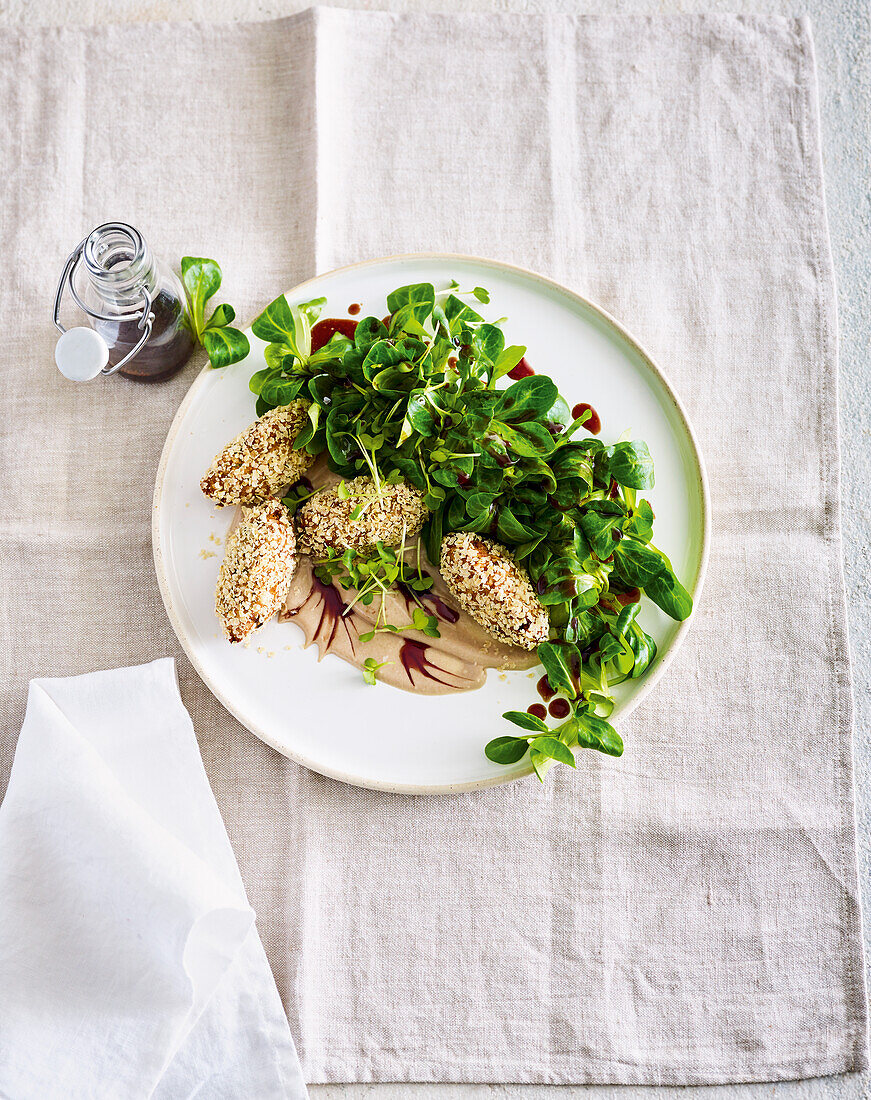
x,y
456,661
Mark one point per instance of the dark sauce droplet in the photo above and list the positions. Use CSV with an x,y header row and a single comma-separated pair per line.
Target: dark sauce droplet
x,y
354,308
544,689
592,424
324,330
537,711
559,708
522,370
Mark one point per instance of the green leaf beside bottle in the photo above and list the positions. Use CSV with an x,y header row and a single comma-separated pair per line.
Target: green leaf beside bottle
x,y
224,345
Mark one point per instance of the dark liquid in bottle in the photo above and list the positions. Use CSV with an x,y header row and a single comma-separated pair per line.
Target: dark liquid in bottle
x,y
167,349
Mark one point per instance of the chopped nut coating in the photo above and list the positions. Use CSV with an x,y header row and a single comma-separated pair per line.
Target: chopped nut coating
x,y
494,589
260,461
324,523
257,569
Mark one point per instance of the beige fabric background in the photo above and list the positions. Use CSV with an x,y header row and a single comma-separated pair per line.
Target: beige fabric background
x,y
687,914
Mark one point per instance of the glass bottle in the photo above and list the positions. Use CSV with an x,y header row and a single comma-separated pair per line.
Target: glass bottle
x,y
109,283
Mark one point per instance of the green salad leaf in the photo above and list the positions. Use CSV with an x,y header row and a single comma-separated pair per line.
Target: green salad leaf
x,y
419,395
202,280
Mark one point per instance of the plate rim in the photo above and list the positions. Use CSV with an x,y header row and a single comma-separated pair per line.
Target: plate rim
x,y
475,784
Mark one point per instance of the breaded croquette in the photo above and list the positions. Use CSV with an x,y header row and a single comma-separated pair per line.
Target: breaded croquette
x,y
324,523
494,589
260,461
257,569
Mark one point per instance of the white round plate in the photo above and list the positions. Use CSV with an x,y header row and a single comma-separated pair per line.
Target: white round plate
x,y
323,714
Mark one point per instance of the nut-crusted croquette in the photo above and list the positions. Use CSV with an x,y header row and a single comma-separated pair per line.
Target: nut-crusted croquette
x,y
257,569
324,522
260,461
494,589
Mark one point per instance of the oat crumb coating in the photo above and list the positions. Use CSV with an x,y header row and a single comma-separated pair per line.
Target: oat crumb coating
x,y
494,589
324,523
257,569
260,461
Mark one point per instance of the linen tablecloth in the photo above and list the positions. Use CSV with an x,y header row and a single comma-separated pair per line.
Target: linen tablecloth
x,y
686,914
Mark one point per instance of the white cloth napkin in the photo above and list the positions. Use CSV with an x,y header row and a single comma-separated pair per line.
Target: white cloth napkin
x,y
130,965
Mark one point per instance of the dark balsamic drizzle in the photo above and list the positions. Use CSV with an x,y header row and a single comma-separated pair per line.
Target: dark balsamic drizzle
x,y
332,616
436,604
414,659
593,423
324,330
522,370
544,689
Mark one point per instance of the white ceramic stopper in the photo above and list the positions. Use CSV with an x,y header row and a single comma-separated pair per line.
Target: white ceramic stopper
x,y
81,354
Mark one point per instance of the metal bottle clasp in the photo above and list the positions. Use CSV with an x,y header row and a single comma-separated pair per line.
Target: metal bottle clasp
x,y
143,316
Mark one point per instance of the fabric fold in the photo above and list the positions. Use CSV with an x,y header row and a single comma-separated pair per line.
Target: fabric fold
x,y
123,920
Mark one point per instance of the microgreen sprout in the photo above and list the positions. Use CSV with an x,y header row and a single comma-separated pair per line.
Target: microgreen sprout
x,y
374,576
370,669
478,292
